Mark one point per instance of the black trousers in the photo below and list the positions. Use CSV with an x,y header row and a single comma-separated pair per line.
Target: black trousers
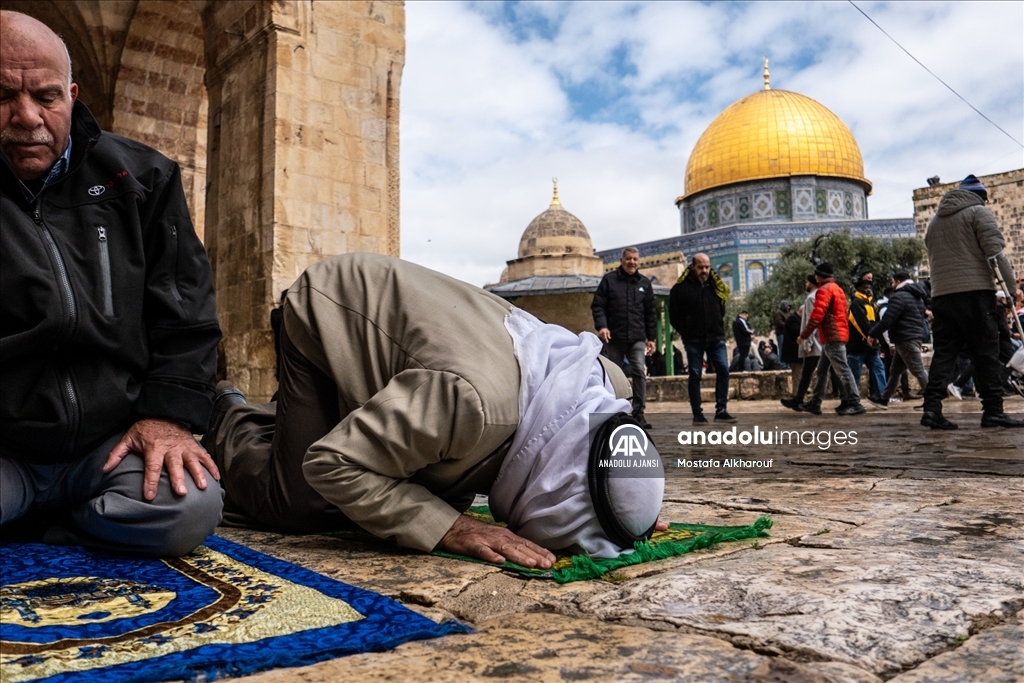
x,y
806,375
965,321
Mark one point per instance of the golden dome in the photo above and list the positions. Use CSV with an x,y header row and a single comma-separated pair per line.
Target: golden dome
x,y
773,134
556,231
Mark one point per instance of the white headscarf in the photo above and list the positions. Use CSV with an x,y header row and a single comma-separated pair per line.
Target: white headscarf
x,y
542,490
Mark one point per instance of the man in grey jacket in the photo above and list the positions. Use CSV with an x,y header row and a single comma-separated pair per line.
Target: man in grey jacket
x,y
404,393
963,241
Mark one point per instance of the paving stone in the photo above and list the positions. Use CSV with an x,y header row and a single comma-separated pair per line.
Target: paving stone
x,y
549,647
883,611
995,655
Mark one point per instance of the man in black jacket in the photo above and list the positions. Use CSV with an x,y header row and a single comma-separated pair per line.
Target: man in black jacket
x,y
626,321
109,328
904,320
743,333
696,307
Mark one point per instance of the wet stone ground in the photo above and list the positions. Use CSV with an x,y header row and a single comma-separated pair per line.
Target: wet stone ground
x,y
901,560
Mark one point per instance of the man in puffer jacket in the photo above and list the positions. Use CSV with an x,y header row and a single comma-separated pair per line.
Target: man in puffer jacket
x,y
963,239
904,321
829,319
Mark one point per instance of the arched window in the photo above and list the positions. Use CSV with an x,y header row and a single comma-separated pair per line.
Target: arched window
x,y
725,273
755,274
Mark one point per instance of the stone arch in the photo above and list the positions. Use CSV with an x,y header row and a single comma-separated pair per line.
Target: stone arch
x,y
160,98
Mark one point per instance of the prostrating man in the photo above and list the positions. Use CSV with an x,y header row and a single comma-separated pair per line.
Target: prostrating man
x,y
743,333
626,321
904,321
696,308
829,319
861,350
109,328
963,241
405,392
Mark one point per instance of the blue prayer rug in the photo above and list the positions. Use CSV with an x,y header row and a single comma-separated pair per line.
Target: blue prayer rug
x,y
68,614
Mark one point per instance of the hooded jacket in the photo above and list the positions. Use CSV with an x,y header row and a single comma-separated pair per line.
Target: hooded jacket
x,y
861,318
961,238
904,314
108,313
625,305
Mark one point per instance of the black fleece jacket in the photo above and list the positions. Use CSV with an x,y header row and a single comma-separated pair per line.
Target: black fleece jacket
x,y
108,313
904,316
695,311
625,305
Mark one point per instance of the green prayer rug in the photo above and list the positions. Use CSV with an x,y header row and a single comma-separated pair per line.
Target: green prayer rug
x,y
679,539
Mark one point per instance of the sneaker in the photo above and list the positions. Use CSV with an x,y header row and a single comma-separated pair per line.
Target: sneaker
x,y
791,403
699,419
954,391
724,416
812,407
937,421
1000,420
895,399
879,402
852,409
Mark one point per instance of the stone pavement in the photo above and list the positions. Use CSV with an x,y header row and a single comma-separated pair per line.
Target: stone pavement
x,y
879,567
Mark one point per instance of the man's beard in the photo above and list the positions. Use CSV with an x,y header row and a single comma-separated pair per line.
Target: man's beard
x,y
16,136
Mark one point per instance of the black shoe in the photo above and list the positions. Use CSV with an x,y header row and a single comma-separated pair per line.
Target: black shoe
x,y
724,416
912,396
879,402
852,409
791,403
699,419
812,407
937,421
227,395
1000,420
639,417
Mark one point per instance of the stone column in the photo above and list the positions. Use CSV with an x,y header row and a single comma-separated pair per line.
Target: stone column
x,y
303,154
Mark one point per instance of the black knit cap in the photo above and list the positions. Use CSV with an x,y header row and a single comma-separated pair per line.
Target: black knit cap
x,y
824,269
972,184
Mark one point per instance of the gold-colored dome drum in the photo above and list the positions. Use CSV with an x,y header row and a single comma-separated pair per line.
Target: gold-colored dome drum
x,y
773,134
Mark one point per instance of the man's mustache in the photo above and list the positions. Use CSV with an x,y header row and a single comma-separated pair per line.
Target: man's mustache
x,y
17,136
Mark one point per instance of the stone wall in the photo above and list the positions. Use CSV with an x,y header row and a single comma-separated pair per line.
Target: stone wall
x,y
1005,199
571,311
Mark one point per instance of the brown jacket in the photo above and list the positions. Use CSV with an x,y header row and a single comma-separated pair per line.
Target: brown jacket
x,y
428,384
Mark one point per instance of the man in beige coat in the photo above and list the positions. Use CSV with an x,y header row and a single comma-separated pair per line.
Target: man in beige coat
x,y
399,400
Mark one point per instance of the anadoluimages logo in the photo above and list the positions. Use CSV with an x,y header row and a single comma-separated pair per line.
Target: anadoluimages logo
x,y
629,441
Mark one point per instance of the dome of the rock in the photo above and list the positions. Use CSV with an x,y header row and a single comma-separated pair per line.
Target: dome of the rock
x,y
773,134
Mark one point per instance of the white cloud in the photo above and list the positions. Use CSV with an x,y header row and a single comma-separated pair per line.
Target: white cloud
x,y
488,114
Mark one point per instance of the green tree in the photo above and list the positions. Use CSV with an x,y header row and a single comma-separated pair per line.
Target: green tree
x,y
848,254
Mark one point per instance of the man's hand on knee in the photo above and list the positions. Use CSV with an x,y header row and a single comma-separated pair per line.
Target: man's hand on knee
x,y
164,445
493,544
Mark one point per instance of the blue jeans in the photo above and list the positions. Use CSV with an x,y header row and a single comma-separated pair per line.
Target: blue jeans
x,y
715,352
876,370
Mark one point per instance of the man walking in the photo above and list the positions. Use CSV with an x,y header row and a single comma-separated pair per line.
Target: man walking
x,y
743,333
696,308
829,318
860,349
626,321
809,351
963,241
904,321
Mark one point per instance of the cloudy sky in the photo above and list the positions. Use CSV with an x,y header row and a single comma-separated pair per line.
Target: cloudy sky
x,y
498,98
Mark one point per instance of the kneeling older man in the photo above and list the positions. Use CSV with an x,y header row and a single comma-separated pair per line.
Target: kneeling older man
x,y
405,392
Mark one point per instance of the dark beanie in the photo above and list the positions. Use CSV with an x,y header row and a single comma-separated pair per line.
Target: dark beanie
x,y
824,270
901,276
972,184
